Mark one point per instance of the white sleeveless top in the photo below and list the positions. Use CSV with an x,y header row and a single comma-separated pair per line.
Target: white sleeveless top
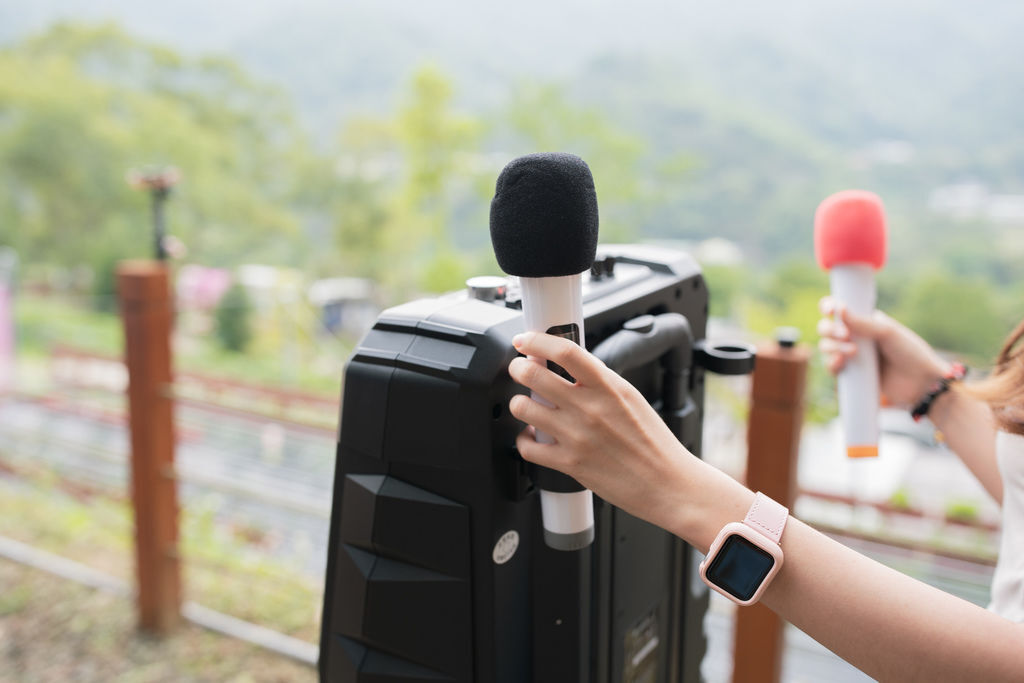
x,y
1008,580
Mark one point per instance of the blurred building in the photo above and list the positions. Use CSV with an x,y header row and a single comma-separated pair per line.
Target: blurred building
x,y
346,304
970,200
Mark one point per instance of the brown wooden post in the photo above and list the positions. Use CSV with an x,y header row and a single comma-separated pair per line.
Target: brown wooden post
x,y
773,440
147,314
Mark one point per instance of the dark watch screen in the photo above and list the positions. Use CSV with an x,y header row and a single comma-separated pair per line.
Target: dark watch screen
x,y
739,567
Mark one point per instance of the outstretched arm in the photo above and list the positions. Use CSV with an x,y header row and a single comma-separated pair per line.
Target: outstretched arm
x,y
610,440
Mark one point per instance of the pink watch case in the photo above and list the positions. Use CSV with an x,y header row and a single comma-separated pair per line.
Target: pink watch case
x,y
746,556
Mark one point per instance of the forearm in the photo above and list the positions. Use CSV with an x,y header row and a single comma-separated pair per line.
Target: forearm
x,y
885,623
609,439
969,430
881,621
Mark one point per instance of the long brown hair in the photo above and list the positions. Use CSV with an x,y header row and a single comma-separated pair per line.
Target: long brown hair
x,y
1003,390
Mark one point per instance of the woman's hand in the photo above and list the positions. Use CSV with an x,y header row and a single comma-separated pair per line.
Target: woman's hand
x,y
607,436
907,364
610,440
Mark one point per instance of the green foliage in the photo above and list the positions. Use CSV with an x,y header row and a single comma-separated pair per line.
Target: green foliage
x,y
961,510
220,564
542,118
966,316
726,285
954,314
788,295
222,571
359,201
82,105
104,284
14,600
900,499
403,195
69,527
45,322
446,272
396,226
234,328
431,137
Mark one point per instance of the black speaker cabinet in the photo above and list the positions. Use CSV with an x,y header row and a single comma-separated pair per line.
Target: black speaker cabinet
x,y
437,569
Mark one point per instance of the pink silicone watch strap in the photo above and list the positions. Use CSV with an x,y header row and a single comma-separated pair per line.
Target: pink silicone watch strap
x,y
767,516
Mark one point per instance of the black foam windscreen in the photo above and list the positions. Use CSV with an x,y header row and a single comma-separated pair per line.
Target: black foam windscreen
x,y
544,216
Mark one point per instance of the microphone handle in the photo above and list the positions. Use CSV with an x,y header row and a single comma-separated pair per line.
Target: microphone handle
x,y
554,305
853,284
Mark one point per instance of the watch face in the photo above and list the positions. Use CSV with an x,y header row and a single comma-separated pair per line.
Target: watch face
x,y
739,567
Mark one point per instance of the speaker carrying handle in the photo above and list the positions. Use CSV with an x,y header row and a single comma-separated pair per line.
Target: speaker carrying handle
x,y
665,337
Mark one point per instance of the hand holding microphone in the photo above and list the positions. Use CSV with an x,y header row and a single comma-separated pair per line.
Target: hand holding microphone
x,y
850,242
544,231
908,366
871,353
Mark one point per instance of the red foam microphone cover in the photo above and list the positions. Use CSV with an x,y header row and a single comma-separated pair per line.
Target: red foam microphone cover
x,y
849,227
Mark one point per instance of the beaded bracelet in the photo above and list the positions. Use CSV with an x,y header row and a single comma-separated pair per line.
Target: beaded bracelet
x,y
957,373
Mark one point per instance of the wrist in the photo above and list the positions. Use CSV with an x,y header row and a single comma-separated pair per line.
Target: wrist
x,y
923,379
707,501
945,407
938,390
746,556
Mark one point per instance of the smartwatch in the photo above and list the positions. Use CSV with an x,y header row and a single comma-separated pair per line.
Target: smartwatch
x,y
746,556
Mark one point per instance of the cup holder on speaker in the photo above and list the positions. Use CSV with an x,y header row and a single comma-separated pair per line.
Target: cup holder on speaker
x,y
725,358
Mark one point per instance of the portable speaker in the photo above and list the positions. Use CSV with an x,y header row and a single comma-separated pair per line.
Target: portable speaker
x,y
437,568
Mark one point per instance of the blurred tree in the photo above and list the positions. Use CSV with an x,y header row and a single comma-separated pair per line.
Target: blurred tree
x,y
788,295
725,287
404,180
955,314
542,118
234,329
440,148
80,105
411,198
359,197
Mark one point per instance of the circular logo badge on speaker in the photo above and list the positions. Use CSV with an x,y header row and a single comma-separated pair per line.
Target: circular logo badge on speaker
x,y
506,547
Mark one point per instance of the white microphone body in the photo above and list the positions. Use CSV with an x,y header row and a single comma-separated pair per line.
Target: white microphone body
x,y
554,305
853,285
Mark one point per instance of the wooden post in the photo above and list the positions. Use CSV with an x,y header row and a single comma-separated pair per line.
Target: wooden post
x,y
773,440
147,314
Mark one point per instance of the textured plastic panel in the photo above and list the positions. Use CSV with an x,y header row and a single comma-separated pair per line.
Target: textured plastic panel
x,y
402,580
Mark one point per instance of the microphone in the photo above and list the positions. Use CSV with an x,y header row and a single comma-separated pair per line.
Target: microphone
x,y
544,231
850,242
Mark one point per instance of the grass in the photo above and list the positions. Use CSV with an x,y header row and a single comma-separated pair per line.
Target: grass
x,y
93,530
53,631
266,368
284,354
44,322
223,568
962,510
227,571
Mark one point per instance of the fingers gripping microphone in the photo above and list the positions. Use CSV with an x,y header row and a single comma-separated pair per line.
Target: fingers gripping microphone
x,y
850,242
544,230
